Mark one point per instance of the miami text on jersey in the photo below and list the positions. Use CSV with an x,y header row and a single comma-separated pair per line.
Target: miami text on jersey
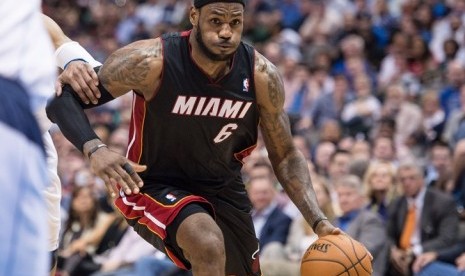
x,y
215,107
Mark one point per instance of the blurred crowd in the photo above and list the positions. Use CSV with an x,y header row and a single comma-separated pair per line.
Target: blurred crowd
x,y
375,93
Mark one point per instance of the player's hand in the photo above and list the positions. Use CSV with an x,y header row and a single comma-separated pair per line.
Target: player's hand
x,y
117,171
82,78
423,260
326,228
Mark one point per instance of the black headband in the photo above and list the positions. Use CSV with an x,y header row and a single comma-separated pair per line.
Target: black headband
x,y
200,3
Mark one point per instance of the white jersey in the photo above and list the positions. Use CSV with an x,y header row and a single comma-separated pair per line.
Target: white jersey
x,y
26,55
26,52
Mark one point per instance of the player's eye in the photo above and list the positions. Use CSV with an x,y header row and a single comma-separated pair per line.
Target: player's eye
x,y
215,21
235,22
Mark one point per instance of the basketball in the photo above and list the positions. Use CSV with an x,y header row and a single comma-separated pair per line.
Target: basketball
x,y
336,255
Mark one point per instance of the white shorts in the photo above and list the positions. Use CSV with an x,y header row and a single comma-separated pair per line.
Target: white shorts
x,y
52,193
23,235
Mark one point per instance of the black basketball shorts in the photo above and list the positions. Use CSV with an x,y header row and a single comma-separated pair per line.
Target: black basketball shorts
x,y
156,213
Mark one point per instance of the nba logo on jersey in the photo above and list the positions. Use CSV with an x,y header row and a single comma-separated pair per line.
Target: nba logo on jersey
x,y
170,197
245,85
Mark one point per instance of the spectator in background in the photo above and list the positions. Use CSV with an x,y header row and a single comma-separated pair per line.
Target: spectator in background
x,y
271,224
434,118
384,150
359,223
439,167
380,187
448,261
450,95
457,187
285,259
338,165
455,124
322,155
359,115
328,106
421,220
83,230
407,115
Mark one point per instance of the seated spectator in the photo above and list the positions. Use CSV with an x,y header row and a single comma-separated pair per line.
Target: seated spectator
x,y
455,124
120,259
448,261
421,220
271,224
83,231
359,115
407,115
381,188
285,259
434,118
359,223
322,155
439,166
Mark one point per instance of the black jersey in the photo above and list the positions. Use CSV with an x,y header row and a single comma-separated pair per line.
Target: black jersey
x,y
195,132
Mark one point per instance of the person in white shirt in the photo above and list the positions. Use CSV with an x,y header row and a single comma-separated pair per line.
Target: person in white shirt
x,y
27,76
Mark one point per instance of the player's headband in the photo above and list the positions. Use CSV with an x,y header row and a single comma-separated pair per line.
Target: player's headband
x,y
200,3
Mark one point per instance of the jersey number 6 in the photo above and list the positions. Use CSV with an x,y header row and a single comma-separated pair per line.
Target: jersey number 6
x,y
225,132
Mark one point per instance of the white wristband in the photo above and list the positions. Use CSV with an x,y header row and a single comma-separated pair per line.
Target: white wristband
x,y
70,51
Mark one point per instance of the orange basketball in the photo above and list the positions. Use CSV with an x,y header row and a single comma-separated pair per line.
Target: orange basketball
x,y
336,255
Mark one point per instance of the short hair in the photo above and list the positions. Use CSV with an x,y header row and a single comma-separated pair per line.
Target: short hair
x,y
350,181
410,164
336,152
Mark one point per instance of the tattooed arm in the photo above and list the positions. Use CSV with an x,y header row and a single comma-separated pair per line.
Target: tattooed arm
x,y
289,164
136,66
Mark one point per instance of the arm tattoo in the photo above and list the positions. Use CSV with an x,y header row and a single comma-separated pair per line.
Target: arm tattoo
x,y
289,164
130,66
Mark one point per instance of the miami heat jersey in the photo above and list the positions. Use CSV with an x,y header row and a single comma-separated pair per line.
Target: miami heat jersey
x,y
194,133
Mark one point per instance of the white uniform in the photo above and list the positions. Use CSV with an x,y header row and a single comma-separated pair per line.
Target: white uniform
x,y
27,72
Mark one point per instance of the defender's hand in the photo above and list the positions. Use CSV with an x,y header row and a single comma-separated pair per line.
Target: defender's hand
x,y
82,78
116,171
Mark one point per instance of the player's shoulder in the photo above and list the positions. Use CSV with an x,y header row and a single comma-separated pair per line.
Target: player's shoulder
x,y
264,68
146,48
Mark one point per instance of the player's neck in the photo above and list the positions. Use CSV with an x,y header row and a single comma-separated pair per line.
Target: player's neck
x,y
213,68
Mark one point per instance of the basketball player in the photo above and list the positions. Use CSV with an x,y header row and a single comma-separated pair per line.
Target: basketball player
x,y
80,65
27,74
199,97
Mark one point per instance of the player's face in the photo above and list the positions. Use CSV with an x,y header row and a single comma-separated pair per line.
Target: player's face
x,y
218,30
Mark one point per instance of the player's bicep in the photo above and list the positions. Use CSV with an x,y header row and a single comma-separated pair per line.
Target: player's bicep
x,y
274,122
136,66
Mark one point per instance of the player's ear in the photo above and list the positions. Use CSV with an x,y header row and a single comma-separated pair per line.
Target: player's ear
x,y
194,16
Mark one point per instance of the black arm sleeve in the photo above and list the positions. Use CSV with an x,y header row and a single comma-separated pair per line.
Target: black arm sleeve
x,y
67,111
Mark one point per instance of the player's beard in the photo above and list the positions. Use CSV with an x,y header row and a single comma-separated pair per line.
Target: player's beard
x,y
207,52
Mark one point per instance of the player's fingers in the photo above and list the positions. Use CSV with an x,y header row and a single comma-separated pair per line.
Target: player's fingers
x,y
58,86
83,79
93,81
113,174
112,190
127,173
336,231
79,91
137,168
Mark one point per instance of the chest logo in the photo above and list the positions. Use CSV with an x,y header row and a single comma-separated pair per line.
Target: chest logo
x,y
245,85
